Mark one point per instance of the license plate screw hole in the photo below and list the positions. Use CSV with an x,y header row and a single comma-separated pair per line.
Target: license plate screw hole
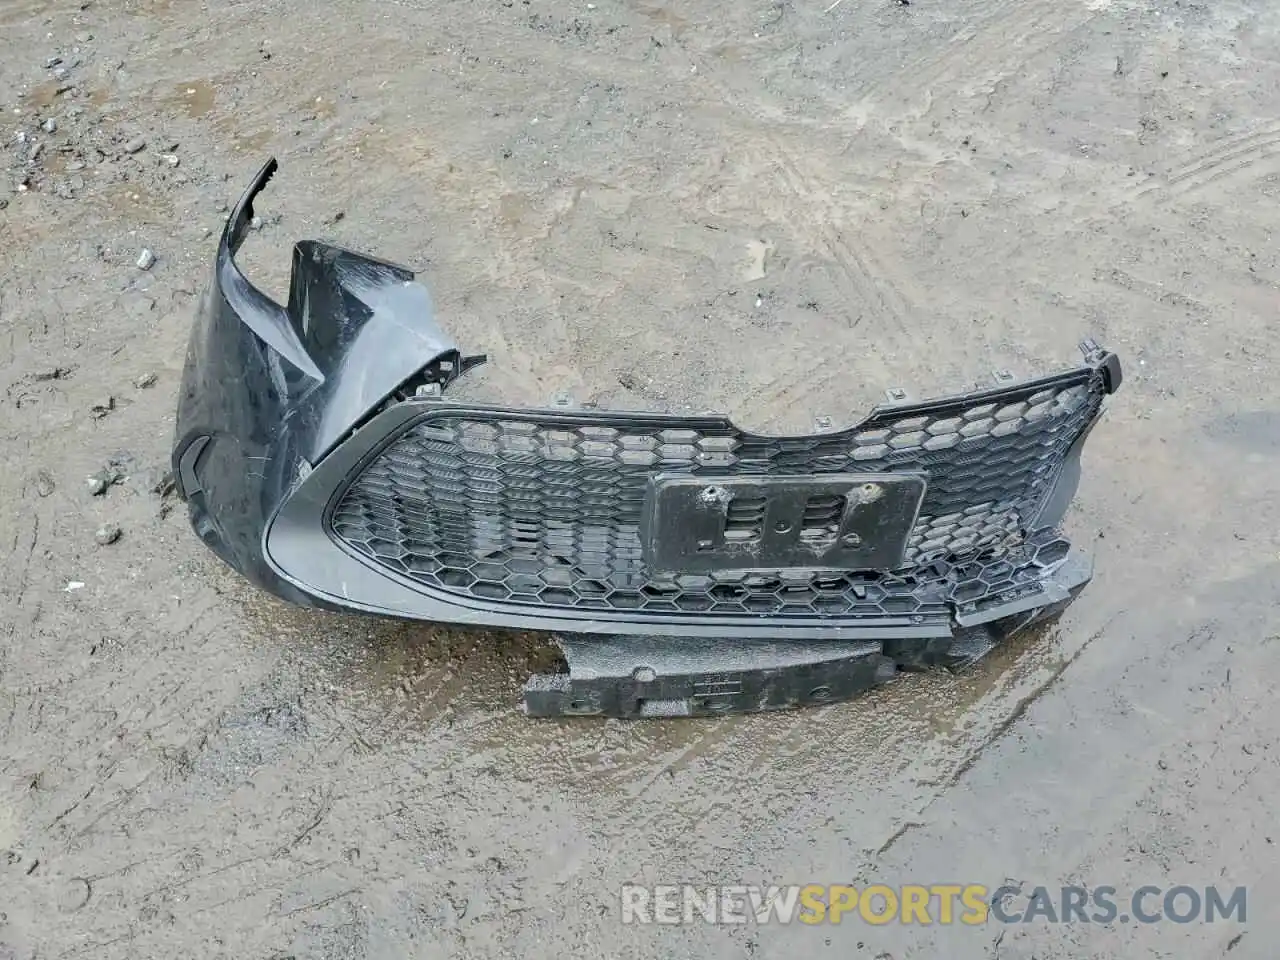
x,y
712,495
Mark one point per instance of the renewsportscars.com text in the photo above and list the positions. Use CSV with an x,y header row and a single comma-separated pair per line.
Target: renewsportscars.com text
x,y
926,904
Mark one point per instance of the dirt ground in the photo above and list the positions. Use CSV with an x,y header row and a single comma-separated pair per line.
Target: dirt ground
x,y
764,207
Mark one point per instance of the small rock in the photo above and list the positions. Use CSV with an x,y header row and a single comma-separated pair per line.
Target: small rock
x,y
170,158
52,62
98,482
4,202
256,223
35,152
71,587
60,73
50,126
21,136
169,146
160,482
136,145
101,409
146,259
106,535
336,218
53,373
84,38
146,380
44,484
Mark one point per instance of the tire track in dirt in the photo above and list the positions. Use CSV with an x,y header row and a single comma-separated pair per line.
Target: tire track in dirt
x,y
857,273
1220,158
996,42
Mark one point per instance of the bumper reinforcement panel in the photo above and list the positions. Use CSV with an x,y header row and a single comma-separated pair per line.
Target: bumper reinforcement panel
x,y
651,677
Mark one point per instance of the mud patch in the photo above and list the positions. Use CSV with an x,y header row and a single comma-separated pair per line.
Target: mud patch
x,y
194,97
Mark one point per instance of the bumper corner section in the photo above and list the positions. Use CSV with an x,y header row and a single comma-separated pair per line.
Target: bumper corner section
x,y
651,677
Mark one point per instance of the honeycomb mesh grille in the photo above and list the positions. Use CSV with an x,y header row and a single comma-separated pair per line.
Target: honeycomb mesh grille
x,y
544,509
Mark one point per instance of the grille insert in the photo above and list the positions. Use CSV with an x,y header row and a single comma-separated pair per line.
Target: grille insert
x,y
544,508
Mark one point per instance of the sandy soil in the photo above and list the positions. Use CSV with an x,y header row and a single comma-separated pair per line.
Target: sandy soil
x,y
756,206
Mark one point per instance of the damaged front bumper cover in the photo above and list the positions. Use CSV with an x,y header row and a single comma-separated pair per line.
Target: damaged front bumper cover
x,y
685,565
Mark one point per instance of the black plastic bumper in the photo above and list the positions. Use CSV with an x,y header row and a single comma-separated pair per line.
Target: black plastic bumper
x,y
320,458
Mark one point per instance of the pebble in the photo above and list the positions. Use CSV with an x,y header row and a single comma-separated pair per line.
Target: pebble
x,y
98,483
102,408
171,159
146,259
160,481
169,146
35,152
49,126
52,62
44,484
256,223
60,73
106,535
136,145
146,380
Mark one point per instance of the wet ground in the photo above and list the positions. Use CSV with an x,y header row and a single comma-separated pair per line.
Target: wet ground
x,y
769,208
